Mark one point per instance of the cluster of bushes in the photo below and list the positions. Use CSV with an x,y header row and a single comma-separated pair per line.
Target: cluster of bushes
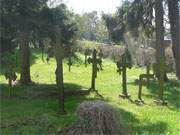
x,y
112,52
141,55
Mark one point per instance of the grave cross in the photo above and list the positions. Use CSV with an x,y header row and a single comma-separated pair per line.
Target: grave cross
x,y
146,76
100,57
122,65
95,61
10,76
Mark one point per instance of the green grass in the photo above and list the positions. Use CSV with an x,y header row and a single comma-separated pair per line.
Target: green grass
x,y
34,109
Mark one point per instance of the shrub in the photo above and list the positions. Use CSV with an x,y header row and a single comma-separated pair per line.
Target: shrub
x,y
96,118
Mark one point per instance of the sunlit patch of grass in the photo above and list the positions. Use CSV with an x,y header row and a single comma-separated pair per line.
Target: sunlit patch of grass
x,y
32,109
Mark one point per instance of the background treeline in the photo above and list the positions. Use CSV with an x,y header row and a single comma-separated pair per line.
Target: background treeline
x,y
91,27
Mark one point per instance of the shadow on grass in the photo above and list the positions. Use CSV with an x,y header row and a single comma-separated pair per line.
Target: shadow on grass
x,y
171,92
42,90
134,126
40,108
33,96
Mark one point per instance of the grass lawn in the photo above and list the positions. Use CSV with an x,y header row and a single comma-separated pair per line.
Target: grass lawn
x,y
33,109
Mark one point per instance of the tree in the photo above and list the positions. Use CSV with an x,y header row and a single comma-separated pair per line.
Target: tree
x,y
25,14
81,21
8,43
123,21
101,31
175,32
115,29
91,27
61,30
8,29
58,50
160,55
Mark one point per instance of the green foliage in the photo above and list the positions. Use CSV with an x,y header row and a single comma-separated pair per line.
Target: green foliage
x,y
91,27
7,27
89,44
22,14
114,29
9,65
58,25
130,16
58,17
8,60
143,15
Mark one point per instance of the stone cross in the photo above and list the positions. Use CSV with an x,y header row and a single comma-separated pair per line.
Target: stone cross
x,y
141,77
11,77
122,65
100,54
95,61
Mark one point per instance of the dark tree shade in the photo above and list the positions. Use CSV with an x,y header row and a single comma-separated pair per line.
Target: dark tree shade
x,y
174,17
61,30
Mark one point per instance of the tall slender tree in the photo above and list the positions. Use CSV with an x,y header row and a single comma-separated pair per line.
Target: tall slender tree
x,y
26,19
174,18
58,50
61,30
160,55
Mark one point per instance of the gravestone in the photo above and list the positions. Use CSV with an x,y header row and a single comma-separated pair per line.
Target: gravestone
x,y
124,62
141,77
10,76
94,61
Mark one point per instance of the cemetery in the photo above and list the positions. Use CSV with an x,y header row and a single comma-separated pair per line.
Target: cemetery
x,y
68,73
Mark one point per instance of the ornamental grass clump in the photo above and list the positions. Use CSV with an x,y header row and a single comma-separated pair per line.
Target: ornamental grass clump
x,y
99,118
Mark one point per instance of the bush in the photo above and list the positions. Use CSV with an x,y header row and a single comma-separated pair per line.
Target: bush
x,y
112,52
96,118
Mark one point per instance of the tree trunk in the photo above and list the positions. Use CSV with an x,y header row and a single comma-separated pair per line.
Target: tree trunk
x,y
124,81
69,63
160,53
148,73
140,88
58,50
59,75
10,86
93,80
25,77
85,60
175,32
